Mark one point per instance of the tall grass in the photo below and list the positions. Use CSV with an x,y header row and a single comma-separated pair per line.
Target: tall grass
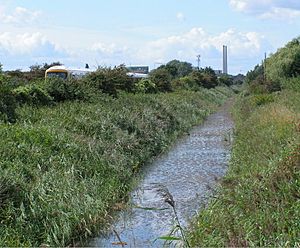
x,y
64,167
259,201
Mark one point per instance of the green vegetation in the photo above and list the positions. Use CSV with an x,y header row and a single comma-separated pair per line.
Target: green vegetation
x,y
258,203
69,152
285,63
180,75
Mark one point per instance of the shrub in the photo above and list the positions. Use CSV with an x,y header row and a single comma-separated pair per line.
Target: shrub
x,y
262,99
254,74
209,81
225,80
205,78
109,80
32,94
145,85
186,83
197,77
292,84
285,63
178,68
71,89
261,85
8,104
162,79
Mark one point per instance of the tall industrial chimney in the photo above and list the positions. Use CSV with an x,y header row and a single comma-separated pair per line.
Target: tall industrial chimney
x,y
225,69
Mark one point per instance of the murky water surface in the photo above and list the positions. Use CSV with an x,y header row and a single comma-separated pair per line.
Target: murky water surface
x,y
189,171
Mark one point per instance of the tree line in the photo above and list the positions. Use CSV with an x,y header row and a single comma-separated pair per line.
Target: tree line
x,y
31,87
280,70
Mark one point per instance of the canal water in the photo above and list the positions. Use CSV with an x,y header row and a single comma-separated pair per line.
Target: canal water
x,y
188,173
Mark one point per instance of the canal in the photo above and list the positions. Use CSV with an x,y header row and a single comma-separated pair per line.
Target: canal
x,y
189,173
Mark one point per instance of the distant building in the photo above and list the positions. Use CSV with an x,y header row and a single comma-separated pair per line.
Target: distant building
x,y
142,69
137,71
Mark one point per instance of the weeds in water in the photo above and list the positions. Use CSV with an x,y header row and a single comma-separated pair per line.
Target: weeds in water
x,y
120,242
168,198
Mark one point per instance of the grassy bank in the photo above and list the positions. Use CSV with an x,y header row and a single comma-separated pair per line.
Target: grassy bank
x,y
258,203
64,167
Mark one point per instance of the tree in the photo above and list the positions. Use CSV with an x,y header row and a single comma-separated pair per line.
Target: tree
x,y
1,68
178,68
110,80
38,71
197,77
285,63
162,79
225,79
209,78
252,75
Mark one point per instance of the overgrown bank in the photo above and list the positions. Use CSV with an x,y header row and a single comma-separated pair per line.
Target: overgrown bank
x,y
258,203
63,167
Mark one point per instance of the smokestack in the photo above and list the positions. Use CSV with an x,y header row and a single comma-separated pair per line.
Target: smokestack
x,y
225,70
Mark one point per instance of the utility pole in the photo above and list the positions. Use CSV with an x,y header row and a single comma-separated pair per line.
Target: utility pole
x,y
198,58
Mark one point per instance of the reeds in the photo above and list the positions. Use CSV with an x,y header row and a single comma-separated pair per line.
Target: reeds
x,y
168,198
67,165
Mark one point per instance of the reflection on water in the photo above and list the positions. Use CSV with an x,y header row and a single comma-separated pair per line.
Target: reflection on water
x,y
189,171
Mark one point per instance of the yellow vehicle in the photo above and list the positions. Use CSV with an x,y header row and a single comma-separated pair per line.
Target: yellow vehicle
x,y
63,72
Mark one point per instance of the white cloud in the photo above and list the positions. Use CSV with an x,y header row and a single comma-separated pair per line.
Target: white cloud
x,y
187,45
108,49
110,54
268,9
23,43
281,13
180,16
23,50
20,16
251,6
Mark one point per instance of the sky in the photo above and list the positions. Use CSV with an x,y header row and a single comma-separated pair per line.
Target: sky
x,y
144,32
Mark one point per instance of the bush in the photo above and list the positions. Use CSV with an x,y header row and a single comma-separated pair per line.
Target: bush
x,y
162,79
71,89
185,83
109,80
292,84
252,75
225,80
285,63
145,85
262,99
197,77
262,86
8,104
32,94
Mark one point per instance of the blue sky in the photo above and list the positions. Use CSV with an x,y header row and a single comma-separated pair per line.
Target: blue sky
x,y
109,33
